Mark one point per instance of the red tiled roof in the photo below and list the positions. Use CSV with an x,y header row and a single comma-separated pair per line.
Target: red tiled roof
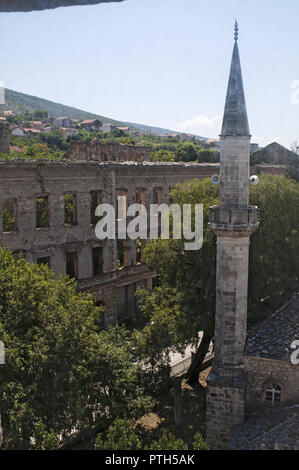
x,y
14,148
37,131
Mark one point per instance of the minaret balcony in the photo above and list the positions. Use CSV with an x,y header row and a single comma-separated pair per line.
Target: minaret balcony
x,y
234,219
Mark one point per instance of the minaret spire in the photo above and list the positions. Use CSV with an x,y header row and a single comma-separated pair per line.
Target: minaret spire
x,y
235,120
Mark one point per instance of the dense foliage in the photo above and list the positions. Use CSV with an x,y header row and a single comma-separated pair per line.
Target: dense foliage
x,y
187,278
122,436
63,374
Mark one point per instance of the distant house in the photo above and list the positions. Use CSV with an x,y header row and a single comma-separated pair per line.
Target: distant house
x,y
36,125
8,113
107,127
124,129
91,125
14,129
14,148
47,129
67,131
167,136
215,143
2,118
140,133
62,121
184,137
30,132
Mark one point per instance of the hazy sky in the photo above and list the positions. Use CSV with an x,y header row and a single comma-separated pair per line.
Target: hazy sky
x,y
161,62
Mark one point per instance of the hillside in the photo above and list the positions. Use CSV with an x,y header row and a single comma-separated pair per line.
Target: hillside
x,y
21,102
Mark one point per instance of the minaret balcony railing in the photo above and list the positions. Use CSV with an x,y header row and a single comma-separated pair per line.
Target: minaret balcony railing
x,y
234,219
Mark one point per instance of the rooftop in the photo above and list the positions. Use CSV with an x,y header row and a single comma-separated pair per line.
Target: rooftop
x,y
273,429
273,337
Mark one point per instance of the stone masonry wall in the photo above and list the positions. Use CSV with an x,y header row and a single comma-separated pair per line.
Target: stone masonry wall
x,y
4,137
260,370
95,150
225,410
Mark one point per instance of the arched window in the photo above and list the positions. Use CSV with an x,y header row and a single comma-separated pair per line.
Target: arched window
x,y
273,393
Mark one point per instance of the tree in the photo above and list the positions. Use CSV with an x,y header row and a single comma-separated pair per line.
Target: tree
x,y
273,269
168,441
273,261
199,443
162,314
187,152
208,155
191,273
40,115
54,140
162,156
120,436
64,375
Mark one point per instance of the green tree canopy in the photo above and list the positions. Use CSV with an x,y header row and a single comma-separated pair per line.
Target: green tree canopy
x,y
63,375
162,156
187,152
120,436
208,156
273,269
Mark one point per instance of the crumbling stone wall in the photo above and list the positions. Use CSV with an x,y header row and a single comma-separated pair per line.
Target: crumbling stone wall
x,y
95,150
276,170
4,137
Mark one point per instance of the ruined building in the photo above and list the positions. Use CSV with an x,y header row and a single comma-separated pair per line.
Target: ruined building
x,y
47,212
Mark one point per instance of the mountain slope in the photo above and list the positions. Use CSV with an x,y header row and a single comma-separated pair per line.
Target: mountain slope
x,y
21,102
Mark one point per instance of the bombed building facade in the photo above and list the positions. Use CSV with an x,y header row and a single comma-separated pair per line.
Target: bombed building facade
x,y
48,214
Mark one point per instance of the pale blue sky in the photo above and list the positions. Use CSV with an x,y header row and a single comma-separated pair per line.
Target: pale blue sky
x,y
160,62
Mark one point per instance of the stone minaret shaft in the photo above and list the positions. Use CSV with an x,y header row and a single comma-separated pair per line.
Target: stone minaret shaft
x,y
233,222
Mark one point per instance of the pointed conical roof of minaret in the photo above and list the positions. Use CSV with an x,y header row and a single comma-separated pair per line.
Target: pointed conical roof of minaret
x,y
235,120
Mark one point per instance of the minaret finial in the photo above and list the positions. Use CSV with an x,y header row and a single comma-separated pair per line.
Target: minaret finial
x,y
236,30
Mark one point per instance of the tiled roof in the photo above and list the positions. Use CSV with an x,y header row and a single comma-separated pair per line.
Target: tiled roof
x,y
29,129
273,337
15,148
89,121
273,429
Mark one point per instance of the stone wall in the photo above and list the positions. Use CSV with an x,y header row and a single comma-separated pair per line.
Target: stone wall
x,y
95,150
260,370
4,137
275,170
225,403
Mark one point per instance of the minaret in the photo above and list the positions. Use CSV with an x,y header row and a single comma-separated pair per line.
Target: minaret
x,y
233,221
